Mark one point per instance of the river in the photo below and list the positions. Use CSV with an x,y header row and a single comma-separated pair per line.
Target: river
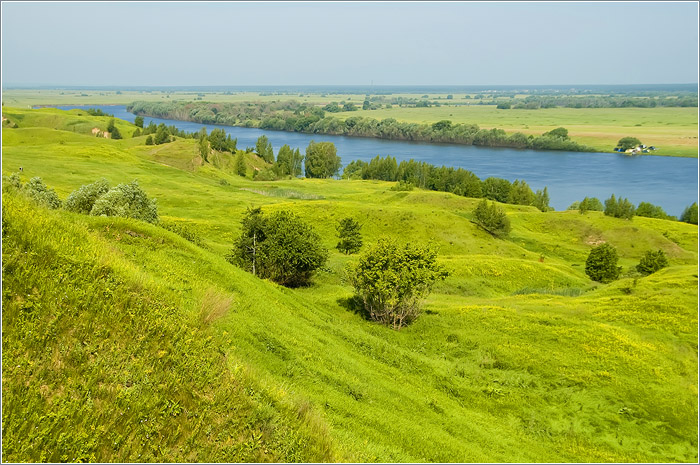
x,y
670,182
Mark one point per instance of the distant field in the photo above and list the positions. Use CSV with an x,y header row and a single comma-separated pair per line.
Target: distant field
x,y
673,130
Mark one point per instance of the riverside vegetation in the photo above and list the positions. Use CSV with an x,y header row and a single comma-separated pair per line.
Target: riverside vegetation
x,y
130,339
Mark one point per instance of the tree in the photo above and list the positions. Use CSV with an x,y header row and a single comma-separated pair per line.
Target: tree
x,y
149,140
280,247
562,133
652,262
496,189
83,199
601,264
263,147
239,164
349,107
649,210
350,240
115,133
628,143
492,219
393,280
366,104
162,135
542,200
204,148
690,214
138,121
110,126
521,194
590,204
442,125
137,132
321,160
41,194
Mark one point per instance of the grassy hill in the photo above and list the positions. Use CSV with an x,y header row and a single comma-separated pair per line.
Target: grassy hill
x,y
124,342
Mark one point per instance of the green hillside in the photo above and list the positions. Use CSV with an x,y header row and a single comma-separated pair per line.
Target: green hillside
x,y
122,341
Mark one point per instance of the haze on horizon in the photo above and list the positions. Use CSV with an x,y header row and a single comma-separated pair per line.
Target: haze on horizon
x,y
276,44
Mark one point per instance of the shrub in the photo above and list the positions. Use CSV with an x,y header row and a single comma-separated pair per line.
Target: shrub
x,y
492,219
652,262
392,281
183,231
37,191
11,182
350,240
279,247
690,214
83,199
128,201
601,264
402,186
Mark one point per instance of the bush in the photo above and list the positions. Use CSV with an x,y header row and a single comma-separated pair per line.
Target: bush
x,y
402,186
149,140
392,281
601,264
183,231
128,201
492,219
350,240
690,214
279,247
11,182
37,191
652,262
628,143
83,199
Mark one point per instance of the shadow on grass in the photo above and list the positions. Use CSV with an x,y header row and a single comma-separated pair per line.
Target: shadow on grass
x,y
354,304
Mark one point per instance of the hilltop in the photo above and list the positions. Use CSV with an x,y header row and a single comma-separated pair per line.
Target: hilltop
x,y
123,341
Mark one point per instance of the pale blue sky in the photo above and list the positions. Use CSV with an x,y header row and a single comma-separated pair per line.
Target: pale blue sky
x,y
198,44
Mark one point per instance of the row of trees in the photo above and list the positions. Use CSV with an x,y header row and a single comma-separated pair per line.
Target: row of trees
x,y
601,264
623,208
447,179
299,117
534,102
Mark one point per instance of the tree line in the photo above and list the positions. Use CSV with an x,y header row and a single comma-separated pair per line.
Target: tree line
x,y
299,117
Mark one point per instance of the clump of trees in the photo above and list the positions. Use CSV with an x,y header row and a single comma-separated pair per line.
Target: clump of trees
x,y
652,262
690,214
392,280
590,204
288,161
263,147
649,210
349,237
601,264
492,219
113,130
280,247
619,208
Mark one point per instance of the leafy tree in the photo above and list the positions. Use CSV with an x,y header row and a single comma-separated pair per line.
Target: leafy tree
x,y
111,126
138,121
128,201
321,160
332,108
83,199
279,247
619,208
542,200
116,134
442,125
393,280
365,104
628,143
601,264
204,148
649,210
350,239
354,169
137,132
40,193
496,189
263,147
162,135
349,107
521,194
503,106
562,133
690,214
590,204
239,164
149,140
652,262
492,219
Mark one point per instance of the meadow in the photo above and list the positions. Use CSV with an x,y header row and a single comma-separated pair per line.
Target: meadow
x,y
122,341
674,130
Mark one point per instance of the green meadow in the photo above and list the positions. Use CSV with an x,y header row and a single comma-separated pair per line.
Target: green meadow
x,y
122,341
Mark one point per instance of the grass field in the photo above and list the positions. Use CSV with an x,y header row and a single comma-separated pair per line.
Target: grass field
x,y
673,130
124,342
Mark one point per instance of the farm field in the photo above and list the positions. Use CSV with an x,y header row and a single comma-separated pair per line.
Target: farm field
x,y
674,130
123,341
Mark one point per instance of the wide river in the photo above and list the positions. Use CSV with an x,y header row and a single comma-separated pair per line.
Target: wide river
x,y
669,182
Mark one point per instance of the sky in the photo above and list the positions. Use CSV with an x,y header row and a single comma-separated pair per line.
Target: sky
x,y
350,43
